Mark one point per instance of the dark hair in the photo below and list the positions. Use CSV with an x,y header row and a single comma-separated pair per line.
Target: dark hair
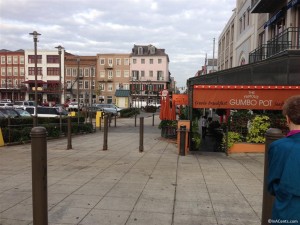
x,y
291,108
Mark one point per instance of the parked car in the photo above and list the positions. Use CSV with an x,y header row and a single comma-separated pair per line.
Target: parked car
x,y
2,115
6,105
108,108
23,104
73,106
5,100
9,112
43,111
23,113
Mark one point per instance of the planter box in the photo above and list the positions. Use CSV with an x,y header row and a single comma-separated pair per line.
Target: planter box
x,y
247,148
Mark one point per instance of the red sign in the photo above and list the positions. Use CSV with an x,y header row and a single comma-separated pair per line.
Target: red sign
x,y
180,99
242,97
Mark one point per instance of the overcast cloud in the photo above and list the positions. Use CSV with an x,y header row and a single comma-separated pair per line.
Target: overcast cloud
x,y
184,28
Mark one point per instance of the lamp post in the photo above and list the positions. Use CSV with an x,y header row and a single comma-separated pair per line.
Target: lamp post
x,y
78,62
60,48
35,40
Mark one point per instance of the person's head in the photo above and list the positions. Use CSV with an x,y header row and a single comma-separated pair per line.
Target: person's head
x,y
291,109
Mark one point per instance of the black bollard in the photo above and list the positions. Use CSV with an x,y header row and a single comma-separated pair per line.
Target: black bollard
x,y
9,130
109,119
272,134
135,120
39,175
182,140
115,120
69,146
105,132
141,148
153,119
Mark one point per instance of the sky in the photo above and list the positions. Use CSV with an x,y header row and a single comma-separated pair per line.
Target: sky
x,y
184,28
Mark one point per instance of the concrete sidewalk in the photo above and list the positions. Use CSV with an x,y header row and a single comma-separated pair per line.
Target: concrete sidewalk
x,y
88,186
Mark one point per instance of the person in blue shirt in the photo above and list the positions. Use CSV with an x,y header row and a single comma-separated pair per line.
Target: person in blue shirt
x,y
284,168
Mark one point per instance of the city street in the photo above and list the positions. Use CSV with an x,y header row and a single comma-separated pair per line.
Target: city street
x,y
89,186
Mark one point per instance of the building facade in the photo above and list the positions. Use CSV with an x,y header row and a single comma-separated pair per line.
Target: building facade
x,y
12,67
80,79
149,70
113,73
50,77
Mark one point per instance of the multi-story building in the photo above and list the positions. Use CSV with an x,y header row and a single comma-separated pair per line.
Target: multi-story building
x,y
113,73
50,77
12,67
80,79
149,69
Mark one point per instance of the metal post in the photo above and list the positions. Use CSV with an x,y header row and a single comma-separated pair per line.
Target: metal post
x,y
9,130
141,148
69,146
115,120
272,134
105,132
39,175
109,119
100,121
35,40
60,48
153,119
78,61
135,120
182,140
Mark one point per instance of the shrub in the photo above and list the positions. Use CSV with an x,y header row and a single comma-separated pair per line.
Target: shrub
x,y
150,108
129,112
257,129
233,138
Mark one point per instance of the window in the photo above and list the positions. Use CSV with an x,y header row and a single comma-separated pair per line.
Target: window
x,y
9,71
93,85
101,87
86,72
102,61
126,62
109,99
126,73
9,59
142,61
69,72
3,60
110,75
126,86
80,72
92,72
140,50
16,71
15,58
118,73
160,75
74,72
159,61
151,73
151,61
102,73
86,84
52,71
3,71
31,71
22,71
133,61
16,82
135,74
152,50
80,84
68,84
142,73
110,62
21,59
31,59
109,87
52,59
118,62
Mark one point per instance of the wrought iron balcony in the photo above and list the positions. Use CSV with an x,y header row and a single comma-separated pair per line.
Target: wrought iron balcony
x,y
288,39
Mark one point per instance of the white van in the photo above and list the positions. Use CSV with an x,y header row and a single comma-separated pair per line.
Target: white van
x,y
43,111
23,104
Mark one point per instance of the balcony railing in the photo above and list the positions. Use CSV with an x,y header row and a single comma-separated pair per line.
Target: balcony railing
x,y
287,40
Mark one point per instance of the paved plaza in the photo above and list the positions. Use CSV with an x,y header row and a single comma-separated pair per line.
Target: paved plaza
x,y
89,186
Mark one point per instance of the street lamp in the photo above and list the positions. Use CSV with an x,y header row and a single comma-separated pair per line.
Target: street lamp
x,y
78,62
35,40
60,48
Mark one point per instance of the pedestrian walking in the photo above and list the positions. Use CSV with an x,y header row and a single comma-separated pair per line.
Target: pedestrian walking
x,y
204,126
284,167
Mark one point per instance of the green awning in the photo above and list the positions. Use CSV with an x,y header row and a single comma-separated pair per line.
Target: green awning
x,y
122,93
